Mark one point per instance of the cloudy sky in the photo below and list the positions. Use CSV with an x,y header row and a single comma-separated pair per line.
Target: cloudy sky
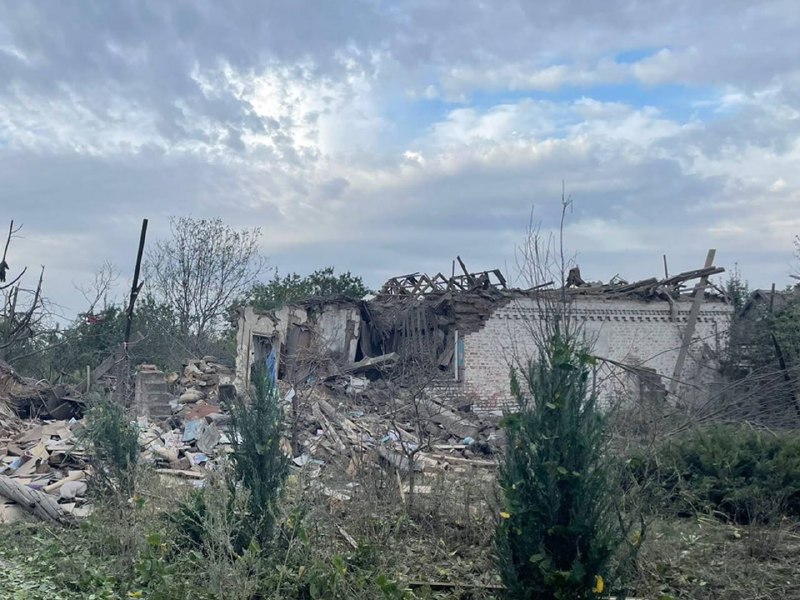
x,y
386,137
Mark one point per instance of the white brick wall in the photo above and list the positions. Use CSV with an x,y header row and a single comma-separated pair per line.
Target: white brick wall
x,y
624,330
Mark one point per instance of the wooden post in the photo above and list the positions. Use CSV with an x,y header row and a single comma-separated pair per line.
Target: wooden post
x,y
772,299
124,374
691,322
135,285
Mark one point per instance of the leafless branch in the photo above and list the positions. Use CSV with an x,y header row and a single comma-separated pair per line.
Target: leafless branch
x,y
11,233
13,281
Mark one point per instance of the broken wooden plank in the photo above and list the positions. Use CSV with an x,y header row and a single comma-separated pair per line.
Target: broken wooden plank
x,y
346,424
350,539
329,430
706,272
460,460
181,473
73,476
376,362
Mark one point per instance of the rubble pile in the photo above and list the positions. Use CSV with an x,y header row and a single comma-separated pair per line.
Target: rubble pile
x,y
25,397
194,434
205,379
197,440
334,428
43,470
346,423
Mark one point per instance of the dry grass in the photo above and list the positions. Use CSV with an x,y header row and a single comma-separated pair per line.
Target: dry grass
x,y
705,558
445,538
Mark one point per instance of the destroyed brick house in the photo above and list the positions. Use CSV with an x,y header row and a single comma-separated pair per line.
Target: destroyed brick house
x,y
459,334
652,337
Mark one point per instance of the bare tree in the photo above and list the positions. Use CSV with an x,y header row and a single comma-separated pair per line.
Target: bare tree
x,y
541,262
22,308
96,292
414,411
202,269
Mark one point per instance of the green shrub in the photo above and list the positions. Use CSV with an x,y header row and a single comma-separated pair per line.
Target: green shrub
x,y
244,512
738,471
311,570
113,441
190,519
560,529
259,464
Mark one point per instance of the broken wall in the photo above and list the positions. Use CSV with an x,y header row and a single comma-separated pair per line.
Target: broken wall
x,y
625,330
279,337
469,340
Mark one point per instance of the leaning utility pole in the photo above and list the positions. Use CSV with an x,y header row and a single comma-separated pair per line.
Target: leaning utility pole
x,y
691,321
123,382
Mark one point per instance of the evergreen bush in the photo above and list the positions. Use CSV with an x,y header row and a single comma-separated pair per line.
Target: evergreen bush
x,y
113,441
560,529
259,463
735,470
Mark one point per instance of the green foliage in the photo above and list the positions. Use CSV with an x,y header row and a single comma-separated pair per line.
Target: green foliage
x,y
733,470
190,519
215,523
559,530
91,342
321,283
737,288
785,326
759,334
92,338
312,572
763,359
114,446
259,463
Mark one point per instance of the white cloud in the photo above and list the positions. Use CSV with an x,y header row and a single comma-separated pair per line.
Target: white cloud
x,y
388,139
528,76
778,185
665,66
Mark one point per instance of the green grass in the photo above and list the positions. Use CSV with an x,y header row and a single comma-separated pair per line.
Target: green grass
x,y
681,559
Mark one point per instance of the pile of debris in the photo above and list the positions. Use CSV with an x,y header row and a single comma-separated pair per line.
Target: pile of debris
x,y
195,434
43,471
670,288
205,379
198,439
335,426
343,425
28,397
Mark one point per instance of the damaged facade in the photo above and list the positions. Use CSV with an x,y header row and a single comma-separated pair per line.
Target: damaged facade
x,y
651,337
